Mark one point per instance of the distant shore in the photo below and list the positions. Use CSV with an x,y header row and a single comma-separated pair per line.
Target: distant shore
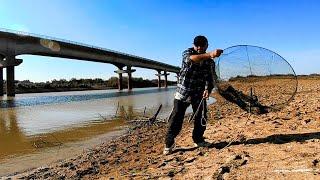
x,y
62,85
23,87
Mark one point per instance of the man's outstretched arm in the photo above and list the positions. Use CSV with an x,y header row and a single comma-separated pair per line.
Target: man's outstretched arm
x,y
206,56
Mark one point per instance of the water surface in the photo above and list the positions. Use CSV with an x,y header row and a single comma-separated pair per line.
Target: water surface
x,y
33,124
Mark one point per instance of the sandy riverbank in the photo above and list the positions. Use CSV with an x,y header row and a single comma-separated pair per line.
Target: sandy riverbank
x,y
277,145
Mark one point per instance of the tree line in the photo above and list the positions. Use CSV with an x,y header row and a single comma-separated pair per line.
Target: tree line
x,y
26,86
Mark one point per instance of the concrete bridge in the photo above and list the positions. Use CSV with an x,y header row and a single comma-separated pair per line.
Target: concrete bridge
x,y
14,43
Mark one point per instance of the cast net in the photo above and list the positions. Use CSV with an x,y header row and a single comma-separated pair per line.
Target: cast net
x,y
256,79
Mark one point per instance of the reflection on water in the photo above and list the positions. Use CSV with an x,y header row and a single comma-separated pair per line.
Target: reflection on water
x,y
30,123
15,142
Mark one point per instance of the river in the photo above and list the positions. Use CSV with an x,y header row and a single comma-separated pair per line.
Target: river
x,y
39,128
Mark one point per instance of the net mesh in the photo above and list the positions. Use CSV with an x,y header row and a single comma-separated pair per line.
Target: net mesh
x,y
255,78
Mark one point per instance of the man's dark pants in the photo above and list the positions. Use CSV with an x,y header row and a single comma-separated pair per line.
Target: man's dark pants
x,y
177,116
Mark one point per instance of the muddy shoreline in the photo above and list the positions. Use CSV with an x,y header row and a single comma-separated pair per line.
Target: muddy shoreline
x,y
48,155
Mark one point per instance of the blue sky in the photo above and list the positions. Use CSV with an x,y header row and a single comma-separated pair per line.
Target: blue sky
x,y
161,30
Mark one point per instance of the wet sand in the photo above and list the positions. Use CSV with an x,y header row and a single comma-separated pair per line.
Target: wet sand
x,y
278,145
45,155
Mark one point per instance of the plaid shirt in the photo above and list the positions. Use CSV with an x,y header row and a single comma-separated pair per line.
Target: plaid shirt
x,y
194,78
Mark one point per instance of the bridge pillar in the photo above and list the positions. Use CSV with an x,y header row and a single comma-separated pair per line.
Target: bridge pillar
x,y
130,71
165,79
120,79
120,85
1,81
10,62
10,81
129,77
159,78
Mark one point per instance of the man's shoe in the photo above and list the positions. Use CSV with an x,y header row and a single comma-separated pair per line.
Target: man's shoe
x,y
168,150
202,144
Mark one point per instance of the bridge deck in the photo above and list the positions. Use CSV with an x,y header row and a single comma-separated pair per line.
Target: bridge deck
x,y
20,43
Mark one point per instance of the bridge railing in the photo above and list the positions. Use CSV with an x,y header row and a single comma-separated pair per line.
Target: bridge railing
x,y
76,43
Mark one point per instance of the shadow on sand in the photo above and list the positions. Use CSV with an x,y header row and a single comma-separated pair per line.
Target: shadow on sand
x,y
274,139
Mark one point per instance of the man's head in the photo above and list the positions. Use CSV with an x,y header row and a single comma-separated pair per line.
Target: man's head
x,y
200,44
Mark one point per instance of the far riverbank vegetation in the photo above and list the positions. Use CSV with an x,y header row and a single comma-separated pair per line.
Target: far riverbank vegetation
x,y
26,86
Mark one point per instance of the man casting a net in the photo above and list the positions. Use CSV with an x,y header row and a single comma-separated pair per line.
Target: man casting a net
x,y
195,82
